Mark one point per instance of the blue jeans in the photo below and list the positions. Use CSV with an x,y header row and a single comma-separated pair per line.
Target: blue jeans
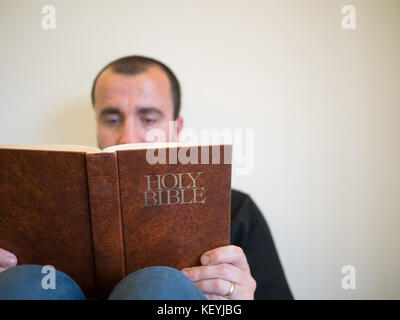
x,y
152,283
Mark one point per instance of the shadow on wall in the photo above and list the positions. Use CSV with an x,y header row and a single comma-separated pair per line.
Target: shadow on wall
x,y
71,124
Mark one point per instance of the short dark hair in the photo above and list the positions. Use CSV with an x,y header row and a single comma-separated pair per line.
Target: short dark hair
x,y
133,65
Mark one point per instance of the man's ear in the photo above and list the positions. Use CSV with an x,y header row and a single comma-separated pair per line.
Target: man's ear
x,y
179,126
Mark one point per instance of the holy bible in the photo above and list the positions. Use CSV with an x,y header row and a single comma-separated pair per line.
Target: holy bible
x,y
98,215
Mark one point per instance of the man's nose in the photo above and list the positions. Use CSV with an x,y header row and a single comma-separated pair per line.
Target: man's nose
x,y
129,134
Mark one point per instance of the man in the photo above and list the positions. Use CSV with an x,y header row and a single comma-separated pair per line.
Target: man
x,y
134,95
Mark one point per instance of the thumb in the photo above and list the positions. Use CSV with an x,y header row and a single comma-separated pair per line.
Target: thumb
x,y
7,259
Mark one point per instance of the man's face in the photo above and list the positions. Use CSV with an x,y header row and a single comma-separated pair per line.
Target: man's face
x,y
127,107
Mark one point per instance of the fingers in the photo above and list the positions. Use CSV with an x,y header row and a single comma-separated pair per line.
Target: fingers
x,y
217,280
215,297
7,260
220,268
222,271
217,288
228,254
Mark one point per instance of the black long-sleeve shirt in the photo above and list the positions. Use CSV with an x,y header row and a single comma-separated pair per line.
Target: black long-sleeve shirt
x,y
250,231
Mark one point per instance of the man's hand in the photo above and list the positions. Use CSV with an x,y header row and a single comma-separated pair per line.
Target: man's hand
x,y
220,268
7,260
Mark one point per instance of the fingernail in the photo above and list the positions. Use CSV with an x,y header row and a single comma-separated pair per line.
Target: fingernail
x,y
10,262
205,260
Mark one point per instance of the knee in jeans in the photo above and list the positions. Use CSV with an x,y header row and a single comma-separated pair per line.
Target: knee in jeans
x,y
38,282
158,282
158,272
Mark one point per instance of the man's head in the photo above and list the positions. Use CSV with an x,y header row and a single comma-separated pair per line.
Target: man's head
x,y
131,96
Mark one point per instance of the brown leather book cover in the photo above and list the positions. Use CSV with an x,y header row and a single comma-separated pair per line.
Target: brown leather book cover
x,y
98,216
105,214
173,213
44,211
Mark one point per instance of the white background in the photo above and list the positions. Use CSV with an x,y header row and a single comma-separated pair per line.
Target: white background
x,y
324,104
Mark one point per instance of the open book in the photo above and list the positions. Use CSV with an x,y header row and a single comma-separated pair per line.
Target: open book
x,y
98,215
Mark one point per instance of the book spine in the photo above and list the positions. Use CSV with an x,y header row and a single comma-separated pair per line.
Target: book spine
x,y
105,214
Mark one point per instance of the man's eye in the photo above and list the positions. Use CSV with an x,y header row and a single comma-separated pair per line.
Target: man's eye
x,y
112,122
149,121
